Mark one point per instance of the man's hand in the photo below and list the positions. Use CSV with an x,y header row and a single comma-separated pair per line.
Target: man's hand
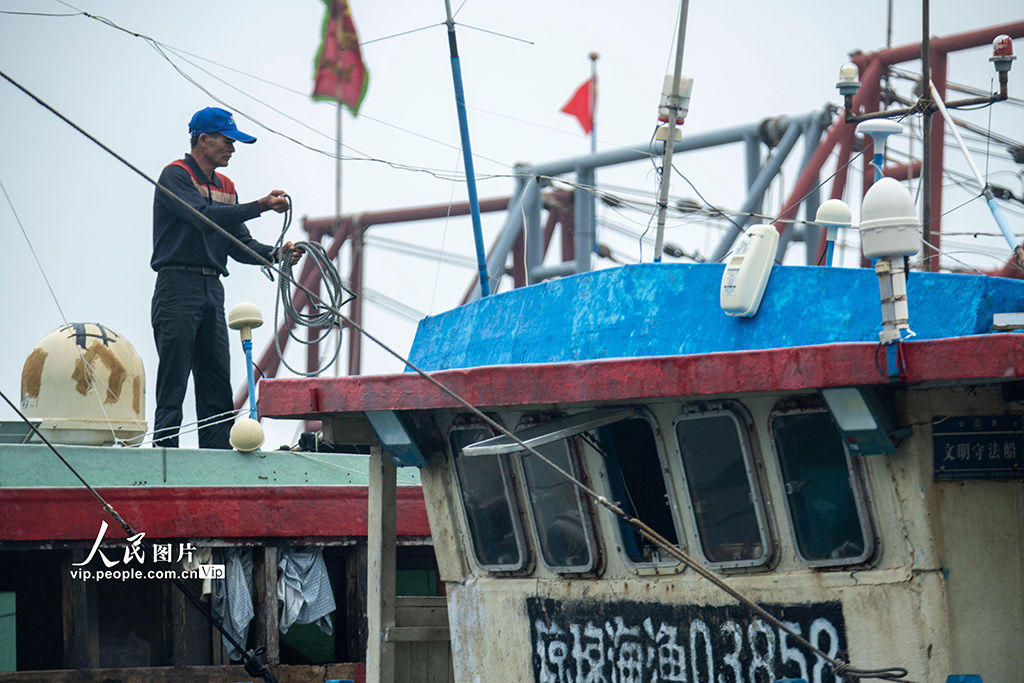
x,y
291,251
274,201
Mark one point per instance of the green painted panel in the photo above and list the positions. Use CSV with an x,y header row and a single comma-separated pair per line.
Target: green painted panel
x,y
415,582
8,632
35,465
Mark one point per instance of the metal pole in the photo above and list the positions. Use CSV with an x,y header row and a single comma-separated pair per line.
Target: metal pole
x,y
673,109
997,212
355,340
337,205
247,347
593,102
467,153
926,126
590,177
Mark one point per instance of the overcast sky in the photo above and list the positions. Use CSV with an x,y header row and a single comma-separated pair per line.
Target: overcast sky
x,y
89,218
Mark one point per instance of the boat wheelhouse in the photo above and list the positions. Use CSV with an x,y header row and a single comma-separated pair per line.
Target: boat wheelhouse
x,y
878,517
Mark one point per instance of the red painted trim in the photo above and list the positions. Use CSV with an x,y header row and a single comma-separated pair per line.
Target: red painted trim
x,y
988,357
60,514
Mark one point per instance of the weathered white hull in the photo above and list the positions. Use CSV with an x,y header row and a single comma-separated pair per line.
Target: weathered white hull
x,y
944,593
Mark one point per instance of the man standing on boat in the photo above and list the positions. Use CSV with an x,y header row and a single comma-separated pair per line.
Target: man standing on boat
x,y
189,257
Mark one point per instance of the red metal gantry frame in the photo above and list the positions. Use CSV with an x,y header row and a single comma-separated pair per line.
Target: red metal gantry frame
x,y
872,68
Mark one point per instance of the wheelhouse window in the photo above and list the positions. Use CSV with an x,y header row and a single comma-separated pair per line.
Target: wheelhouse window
x,y
558,510
724,496
637,482
560,515
492,515
823,497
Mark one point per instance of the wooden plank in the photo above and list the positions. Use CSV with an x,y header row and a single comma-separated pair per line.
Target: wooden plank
x,y
191,629
421,611
404,673
173,625
265,623
218,655
416,634
81,639
439,663
380,542
355,602
352,671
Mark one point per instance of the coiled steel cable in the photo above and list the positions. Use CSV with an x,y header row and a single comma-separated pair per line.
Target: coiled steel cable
x,y
322,312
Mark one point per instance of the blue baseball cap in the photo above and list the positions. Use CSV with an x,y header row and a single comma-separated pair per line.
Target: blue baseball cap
x,y
214,120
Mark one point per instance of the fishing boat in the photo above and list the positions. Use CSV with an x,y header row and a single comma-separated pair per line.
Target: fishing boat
x,y
736,471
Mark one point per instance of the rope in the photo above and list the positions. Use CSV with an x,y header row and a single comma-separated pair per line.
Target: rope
x,y
323,308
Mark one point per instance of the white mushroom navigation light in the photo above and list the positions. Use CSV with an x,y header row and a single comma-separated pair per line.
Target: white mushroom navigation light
x,y
833,214
889,231
247,433
878,130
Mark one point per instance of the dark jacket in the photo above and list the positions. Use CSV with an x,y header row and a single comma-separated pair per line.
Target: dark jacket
x,y
180,239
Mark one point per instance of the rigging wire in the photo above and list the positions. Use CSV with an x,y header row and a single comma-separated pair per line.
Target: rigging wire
x,y
209,421
418,251
42,14
407,482
398,35
496,33
303,123
966,89
447,220
94,379
32,249
162,49
252,664
840,666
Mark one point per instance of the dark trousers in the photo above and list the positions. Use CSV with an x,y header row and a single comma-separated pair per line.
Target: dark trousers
x,y
191,337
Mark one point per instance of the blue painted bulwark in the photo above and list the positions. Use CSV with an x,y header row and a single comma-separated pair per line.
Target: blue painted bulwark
x,y
672,309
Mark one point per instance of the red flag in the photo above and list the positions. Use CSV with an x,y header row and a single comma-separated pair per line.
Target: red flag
x,y
582,104
340,73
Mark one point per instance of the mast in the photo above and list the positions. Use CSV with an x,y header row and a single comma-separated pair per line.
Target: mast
x,y
673,110
926,155
467,153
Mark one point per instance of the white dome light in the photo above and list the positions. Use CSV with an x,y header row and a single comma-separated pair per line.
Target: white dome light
x,y
246,435
889,225
834,212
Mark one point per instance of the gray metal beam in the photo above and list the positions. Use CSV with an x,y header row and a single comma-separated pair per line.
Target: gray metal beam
x,y
585,200
539,273
507,237
812,233
753,157
794,127
584,208
636,153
